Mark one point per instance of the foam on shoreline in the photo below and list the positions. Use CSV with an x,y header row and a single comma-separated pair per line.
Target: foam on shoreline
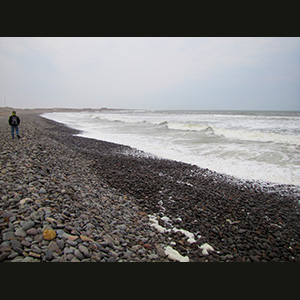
x,y
191,205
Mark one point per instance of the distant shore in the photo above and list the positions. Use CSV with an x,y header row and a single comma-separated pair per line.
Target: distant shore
x,y
119,205
7,110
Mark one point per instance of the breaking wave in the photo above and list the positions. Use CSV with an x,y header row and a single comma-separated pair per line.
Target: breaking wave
x,y
249,145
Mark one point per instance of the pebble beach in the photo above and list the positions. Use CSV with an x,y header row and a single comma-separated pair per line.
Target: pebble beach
x,y
65,198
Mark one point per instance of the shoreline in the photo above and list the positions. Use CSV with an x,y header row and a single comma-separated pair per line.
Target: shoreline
x,y
6,111
236,152
130,151
241,220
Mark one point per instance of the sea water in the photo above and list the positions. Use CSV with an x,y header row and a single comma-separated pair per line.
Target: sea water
x,y
255,145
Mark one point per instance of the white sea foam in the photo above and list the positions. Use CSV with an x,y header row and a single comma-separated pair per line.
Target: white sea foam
x,y
175,255
189,235
169,251
249,145
206,248
154,223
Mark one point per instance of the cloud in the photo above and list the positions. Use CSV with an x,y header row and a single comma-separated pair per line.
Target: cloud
x,y
145,72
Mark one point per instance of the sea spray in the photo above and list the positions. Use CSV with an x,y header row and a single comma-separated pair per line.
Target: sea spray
x,y
249,145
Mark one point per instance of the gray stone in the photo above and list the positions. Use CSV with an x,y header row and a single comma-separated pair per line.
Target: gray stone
x,y
70,257
29,259
127,254
153,256
32,231
37,215
18,259
78,254
60,243
16,244
113,253
62,234
47,211
71,243
4,198
7,214
19,250
254,258
25,243
25,200
38,238
54,247
84,250
112,259
20,232
27,225
12,255
108,239
144,240
8,236
5,245
160,251
58,259
136,247
69,250
75,259
122,227
36,249
142,251
48,254
96,257
42,191
4,255
12,219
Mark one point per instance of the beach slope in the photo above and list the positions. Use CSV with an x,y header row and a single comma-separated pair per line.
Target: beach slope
x,y
68,198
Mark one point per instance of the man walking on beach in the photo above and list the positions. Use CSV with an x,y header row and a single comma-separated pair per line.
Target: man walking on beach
x,y
14,122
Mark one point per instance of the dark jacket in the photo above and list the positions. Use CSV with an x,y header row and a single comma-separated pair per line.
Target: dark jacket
x,y
11,120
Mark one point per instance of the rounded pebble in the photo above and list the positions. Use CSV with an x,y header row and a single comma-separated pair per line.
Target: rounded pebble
x,y
69,198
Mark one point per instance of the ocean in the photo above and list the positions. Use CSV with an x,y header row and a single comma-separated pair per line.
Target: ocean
x,y
251,145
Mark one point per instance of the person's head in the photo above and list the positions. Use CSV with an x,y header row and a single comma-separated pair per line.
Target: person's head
x,y
13,113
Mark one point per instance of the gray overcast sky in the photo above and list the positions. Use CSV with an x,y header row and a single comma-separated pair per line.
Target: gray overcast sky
x,y
250,73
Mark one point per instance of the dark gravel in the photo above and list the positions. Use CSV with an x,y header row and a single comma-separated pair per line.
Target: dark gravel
x,y
244,221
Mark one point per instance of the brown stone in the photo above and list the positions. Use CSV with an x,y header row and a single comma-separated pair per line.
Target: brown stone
x,y
49,234
86,238
72,237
